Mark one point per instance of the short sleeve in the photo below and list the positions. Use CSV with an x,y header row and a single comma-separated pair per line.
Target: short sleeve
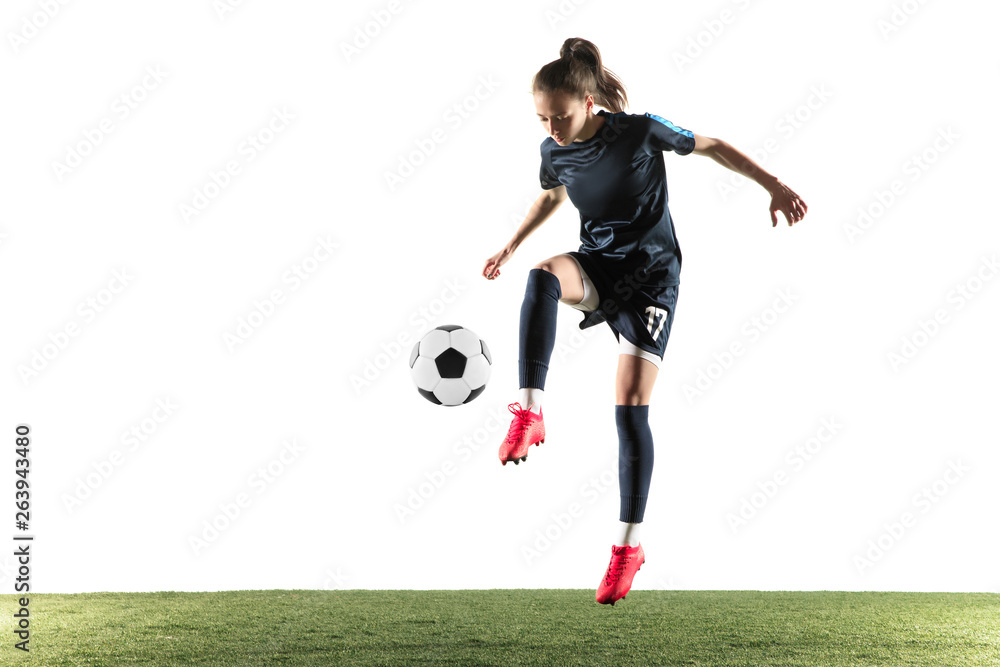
x,y
665,136
546,174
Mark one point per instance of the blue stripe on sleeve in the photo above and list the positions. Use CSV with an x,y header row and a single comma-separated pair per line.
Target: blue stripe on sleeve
x,y
686,133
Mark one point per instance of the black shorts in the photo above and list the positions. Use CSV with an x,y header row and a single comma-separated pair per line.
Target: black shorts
x,y
636,309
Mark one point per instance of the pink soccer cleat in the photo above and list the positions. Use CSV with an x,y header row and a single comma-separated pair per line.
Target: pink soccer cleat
x,y
526,429
625,562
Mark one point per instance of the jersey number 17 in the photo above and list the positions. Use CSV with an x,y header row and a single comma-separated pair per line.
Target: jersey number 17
x,y
655,312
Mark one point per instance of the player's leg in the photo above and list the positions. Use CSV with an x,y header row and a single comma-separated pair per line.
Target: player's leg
x,y
648,321
633,388
549,281
560,277
637,371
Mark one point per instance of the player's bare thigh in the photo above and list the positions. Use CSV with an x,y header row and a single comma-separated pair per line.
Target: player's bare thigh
x,y
566,270
635,379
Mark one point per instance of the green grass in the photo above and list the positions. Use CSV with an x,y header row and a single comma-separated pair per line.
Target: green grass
x,y
508,627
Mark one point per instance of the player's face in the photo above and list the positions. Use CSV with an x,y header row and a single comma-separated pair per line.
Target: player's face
x,y
562,115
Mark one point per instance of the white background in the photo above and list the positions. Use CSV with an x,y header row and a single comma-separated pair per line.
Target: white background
x,y
331,516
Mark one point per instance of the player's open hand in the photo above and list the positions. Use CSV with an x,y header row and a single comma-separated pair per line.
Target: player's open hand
x,y
789,203
492,267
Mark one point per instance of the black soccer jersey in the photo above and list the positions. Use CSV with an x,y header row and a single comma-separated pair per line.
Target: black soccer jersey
x,y
617,180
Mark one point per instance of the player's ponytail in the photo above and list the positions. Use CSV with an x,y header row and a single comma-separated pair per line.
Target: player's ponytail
x,y
580,72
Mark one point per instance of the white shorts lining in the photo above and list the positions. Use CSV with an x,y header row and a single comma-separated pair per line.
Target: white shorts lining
x,y
590,296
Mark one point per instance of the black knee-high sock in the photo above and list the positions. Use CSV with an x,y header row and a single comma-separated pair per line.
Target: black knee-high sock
x,y
635,460
538,327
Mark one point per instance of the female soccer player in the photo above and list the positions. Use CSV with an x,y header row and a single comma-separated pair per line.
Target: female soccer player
x,y
626,271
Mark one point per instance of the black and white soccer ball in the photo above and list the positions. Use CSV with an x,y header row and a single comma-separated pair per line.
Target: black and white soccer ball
x,y
450,365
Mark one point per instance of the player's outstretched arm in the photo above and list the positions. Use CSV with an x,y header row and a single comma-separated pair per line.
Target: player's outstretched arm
x,y
782,197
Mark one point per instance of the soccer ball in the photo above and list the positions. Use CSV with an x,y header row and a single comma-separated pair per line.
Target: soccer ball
x,y
450,365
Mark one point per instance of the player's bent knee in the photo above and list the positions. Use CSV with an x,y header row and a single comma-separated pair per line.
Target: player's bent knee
x,y
631,399
571,285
